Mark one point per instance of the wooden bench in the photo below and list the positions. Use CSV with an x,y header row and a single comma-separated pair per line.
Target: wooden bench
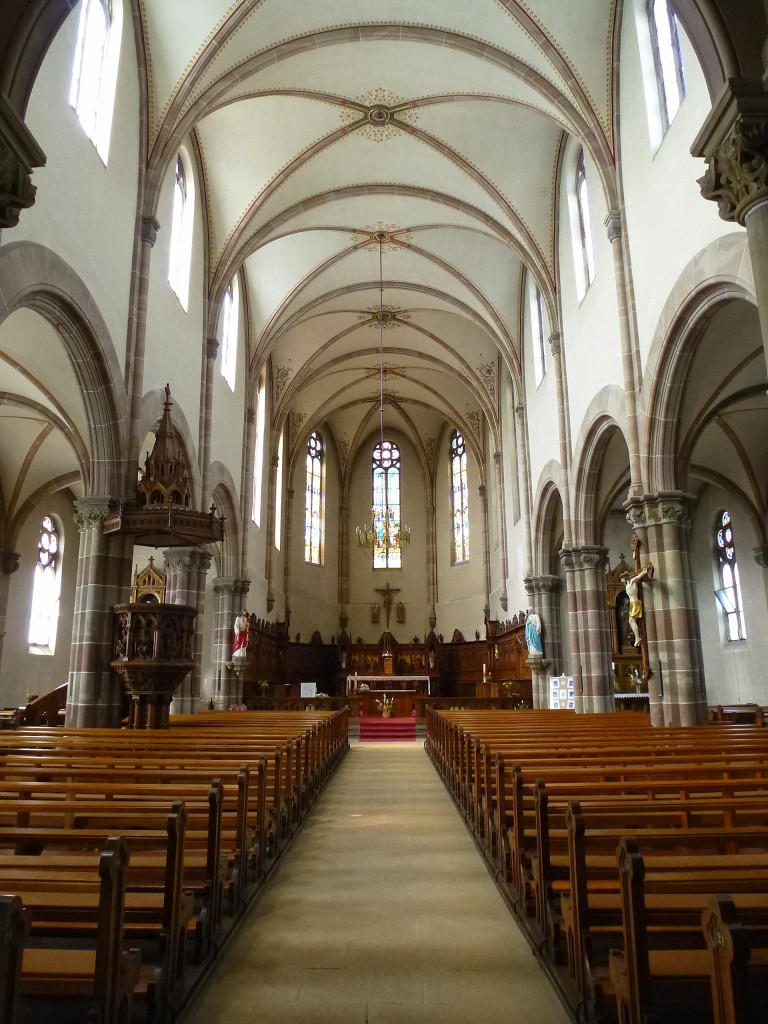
x,y
104,974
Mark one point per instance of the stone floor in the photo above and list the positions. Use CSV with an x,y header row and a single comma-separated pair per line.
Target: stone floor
x,y
382,913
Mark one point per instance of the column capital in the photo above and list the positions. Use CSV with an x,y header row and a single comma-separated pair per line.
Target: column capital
x,y
761,556
211,348
520,410
497,458
91,511
734,143
589,556
19,154
250,415
545,584
659,509
186,560
9,562
556,343
481,490
613,225
149,228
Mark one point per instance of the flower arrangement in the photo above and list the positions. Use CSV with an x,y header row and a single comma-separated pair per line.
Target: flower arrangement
x,y
237,707
386,705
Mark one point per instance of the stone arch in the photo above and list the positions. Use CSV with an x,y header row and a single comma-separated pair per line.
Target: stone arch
x,y
227,554
605,414
724,272
34,277
548,499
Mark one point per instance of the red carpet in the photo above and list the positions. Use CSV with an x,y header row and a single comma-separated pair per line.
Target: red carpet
x,y
373,729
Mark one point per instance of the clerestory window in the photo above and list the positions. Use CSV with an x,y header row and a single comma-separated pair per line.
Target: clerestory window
x,y
729,594
94,73
180,250
44,614
313,518
667,59
459,498
229,324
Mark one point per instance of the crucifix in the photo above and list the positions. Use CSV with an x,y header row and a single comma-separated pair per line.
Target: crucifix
x,y
386,595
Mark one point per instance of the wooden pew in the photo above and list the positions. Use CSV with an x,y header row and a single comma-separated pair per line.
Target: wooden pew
x,y
14,926
105,974
664,954
739,960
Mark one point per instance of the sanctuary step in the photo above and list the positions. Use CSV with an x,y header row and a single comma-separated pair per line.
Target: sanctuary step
x,y
375,728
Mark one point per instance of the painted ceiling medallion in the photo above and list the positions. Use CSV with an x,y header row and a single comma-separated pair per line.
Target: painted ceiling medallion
x,y
388,371
387,237
379,114
388,317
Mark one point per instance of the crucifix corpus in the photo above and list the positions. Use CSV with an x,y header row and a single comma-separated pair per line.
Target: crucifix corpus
x,y
633,584
387,594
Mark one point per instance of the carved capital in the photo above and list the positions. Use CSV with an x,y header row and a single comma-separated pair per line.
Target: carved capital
x,y
734,144
9,562
542,585
555,343
482,492
589,557
225,585
149,228
250,416
520,411
613,225
19,155
91,512
761,556
659,510
186,560
211,348
497,459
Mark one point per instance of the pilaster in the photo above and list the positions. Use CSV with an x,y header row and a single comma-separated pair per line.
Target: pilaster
x,y
676,689
94,695
185,572
589,625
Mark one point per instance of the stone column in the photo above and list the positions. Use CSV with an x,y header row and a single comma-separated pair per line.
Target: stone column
x,y
563,430
734,143
486,552
344,557
525,484
431,553
134,358
613,224
544,597
246,475
19,155
539,667
662,523
9,563
185,571
94,694
270,545
502,526
230,593
211,348
590,627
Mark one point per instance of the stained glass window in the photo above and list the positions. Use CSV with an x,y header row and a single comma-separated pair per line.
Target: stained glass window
x,y
386,506
460,498
667,59
729,595
229,318
94,73
585,227
313,502
45,592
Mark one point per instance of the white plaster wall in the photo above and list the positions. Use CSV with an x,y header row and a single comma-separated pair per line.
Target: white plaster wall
x,y
411,580
228,409
591,342
667,219
461,587
175,343
257,535
734,671
83,210
540,403
313,591
617,537
23,672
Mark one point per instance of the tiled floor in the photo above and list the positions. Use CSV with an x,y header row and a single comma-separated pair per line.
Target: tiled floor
x,y
383,913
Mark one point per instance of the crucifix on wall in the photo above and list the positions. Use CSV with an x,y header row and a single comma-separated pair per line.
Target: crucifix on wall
x,y
387,594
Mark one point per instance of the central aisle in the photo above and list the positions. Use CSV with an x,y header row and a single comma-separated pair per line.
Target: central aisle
x,y
382,913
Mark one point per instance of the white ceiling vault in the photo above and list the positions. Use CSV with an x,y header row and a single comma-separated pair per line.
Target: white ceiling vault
x,y
440,123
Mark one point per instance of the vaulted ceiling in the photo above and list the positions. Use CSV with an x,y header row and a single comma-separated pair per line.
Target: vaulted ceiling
x,y
436,126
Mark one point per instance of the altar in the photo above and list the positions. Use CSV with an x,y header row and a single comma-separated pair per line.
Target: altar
x,y
402,690
417,684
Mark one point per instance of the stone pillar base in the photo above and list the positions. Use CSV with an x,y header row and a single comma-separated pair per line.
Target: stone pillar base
x,y
538,665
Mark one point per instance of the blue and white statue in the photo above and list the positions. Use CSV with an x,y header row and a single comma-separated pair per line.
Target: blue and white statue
x,y
533,634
